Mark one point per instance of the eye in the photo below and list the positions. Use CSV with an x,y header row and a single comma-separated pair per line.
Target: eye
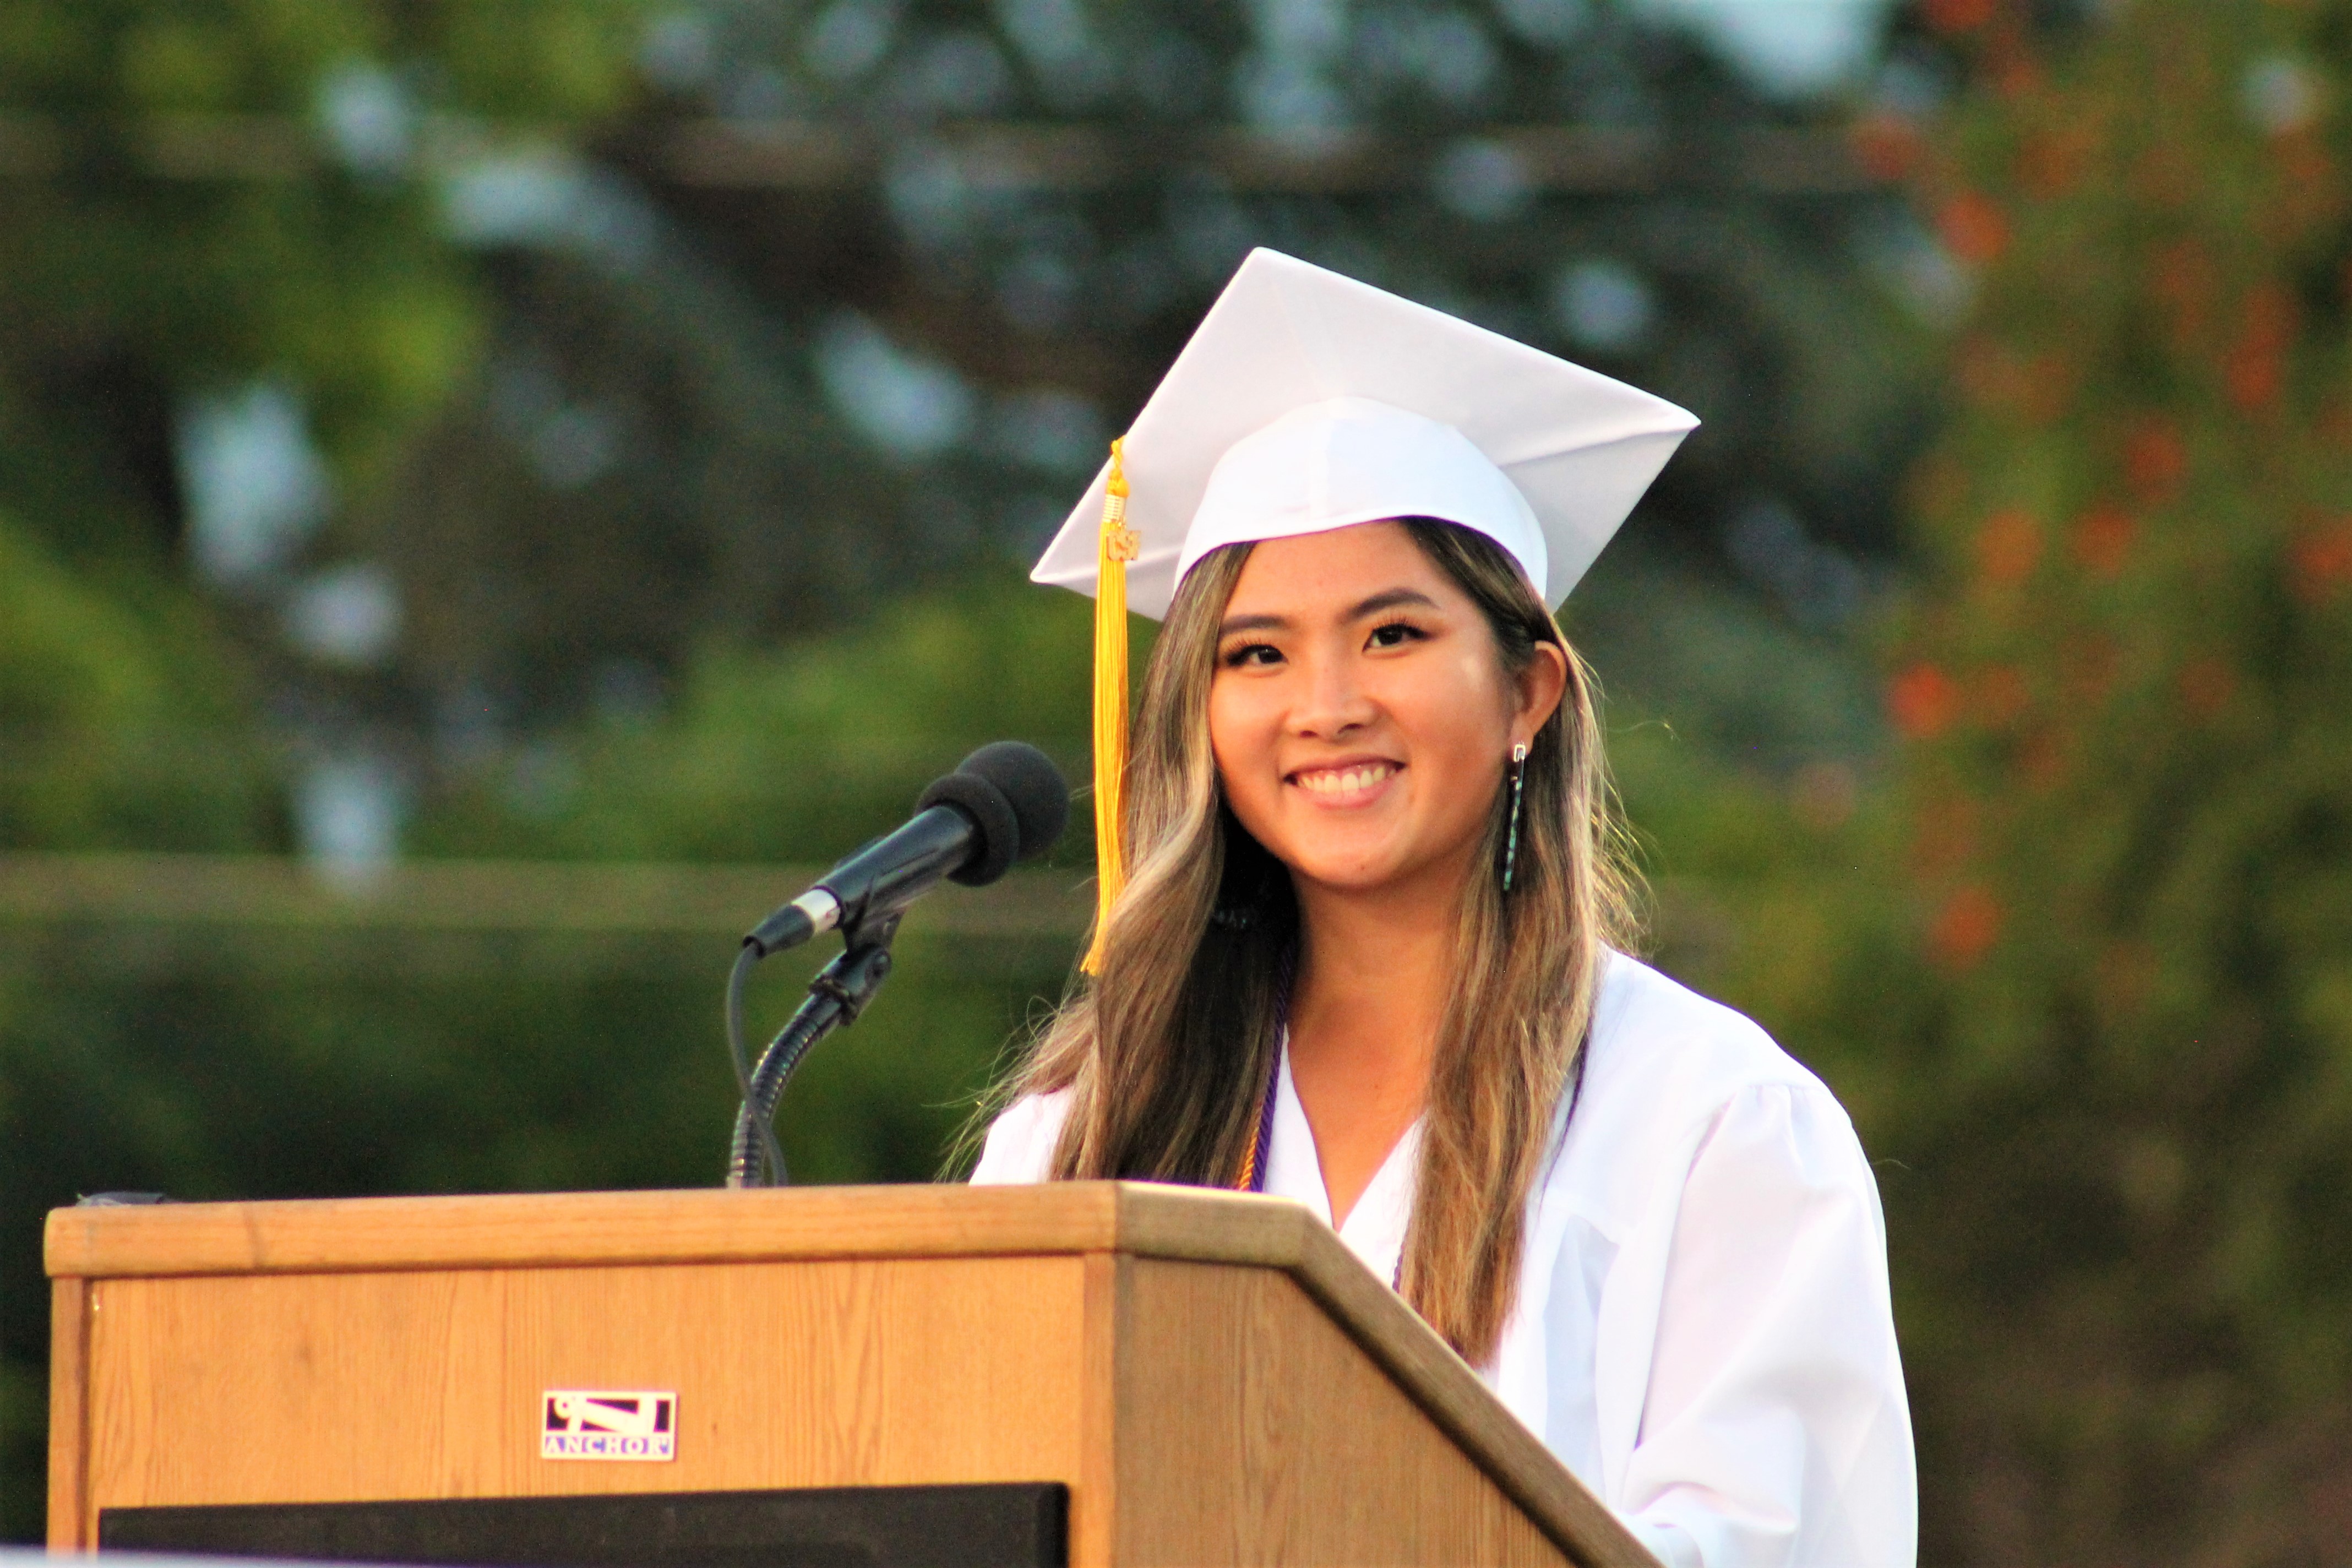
x,y
1250,656
1395,634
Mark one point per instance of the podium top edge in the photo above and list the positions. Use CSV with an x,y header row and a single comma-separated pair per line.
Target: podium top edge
x,y
546,1230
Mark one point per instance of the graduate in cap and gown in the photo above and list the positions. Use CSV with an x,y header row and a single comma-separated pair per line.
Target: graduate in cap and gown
x,y
1363,931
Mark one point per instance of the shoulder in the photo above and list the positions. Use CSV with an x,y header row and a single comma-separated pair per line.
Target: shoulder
x,y
1669,1071
1021,1142
1677,1047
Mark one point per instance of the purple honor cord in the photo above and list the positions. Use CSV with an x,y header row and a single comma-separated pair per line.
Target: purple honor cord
x,y
1264,1146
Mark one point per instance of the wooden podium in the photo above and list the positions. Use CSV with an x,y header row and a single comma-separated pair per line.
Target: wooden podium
x,y
1215,1377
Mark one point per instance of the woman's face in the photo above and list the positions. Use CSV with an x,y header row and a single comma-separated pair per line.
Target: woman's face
x,y
1360,714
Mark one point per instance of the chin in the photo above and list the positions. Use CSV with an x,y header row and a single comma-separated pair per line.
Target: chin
x,y
1346,873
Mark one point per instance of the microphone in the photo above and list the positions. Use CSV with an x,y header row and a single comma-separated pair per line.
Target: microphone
x,y
1005,802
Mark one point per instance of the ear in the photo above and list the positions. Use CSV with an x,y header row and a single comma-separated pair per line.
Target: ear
x,y
1538,689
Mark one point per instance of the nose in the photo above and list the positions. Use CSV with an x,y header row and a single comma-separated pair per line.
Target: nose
x,y
1332,700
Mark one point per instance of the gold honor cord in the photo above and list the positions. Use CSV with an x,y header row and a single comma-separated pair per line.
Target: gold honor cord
x,y
1121,544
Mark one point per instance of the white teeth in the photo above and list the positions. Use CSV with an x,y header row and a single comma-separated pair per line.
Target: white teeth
x,y
1345,781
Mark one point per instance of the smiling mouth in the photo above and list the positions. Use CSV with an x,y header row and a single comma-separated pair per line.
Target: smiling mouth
x,y
1356,780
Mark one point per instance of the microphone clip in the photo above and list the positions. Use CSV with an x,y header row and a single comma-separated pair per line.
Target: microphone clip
x,y
851,980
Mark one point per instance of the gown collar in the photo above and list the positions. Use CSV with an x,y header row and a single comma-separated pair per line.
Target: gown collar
x,y
1375,1228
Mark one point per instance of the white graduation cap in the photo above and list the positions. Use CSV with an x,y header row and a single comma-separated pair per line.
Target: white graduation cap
x,y
1307,400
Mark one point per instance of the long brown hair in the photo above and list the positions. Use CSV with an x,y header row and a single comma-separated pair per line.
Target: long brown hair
x,y
1168,1050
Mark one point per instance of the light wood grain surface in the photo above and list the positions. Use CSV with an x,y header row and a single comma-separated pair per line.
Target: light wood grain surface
x,y
934,1333
710,1226
428,1385
1256,1431
68,1409
1094,1501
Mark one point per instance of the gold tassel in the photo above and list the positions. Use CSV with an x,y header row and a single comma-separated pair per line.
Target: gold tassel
x,y
1119,545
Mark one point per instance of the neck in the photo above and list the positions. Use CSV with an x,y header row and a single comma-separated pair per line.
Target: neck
x,y
1375,972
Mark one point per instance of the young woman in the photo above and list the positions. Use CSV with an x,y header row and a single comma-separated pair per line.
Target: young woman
x,y
1370,955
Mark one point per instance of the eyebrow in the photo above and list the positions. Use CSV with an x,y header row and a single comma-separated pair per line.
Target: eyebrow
x,y
1388,600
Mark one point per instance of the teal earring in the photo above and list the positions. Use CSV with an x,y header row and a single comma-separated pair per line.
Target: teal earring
x,y
1511,844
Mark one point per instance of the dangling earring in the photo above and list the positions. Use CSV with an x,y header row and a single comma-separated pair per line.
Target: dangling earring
x,y
1511,844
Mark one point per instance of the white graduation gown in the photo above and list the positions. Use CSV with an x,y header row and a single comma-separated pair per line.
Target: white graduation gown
x,y
1703,1332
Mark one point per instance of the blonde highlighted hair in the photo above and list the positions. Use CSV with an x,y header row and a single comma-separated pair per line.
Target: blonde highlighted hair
x,y
1168,1050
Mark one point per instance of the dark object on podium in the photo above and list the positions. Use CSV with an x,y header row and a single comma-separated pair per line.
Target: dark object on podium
x,y
1018,1525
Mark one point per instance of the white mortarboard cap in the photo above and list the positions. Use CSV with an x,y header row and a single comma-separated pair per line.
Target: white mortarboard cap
x,y
1307,401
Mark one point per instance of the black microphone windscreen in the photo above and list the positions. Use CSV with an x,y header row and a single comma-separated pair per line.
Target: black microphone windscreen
x,y
996,830
1040,797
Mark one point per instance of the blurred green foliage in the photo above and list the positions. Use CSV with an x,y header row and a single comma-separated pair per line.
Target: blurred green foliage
x,y
126,291
764,754
2125,693
102,715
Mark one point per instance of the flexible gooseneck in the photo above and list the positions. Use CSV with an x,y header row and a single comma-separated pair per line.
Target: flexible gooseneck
x,y
838,994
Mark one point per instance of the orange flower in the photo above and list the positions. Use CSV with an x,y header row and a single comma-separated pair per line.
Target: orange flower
x,y
2103,539
2011,65
1886,145
1923,701
2254,376
2008,546
1974,229
1955,16
2322,560
1965,928
2256,368
2270,316
2155,459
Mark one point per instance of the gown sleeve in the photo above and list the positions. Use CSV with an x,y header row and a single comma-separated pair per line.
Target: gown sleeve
x,y
1775,1432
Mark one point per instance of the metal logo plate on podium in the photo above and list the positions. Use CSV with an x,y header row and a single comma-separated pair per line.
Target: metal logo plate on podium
x,y
608,1423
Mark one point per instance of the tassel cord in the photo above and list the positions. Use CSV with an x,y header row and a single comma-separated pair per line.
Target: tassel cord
x,y
1119,545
